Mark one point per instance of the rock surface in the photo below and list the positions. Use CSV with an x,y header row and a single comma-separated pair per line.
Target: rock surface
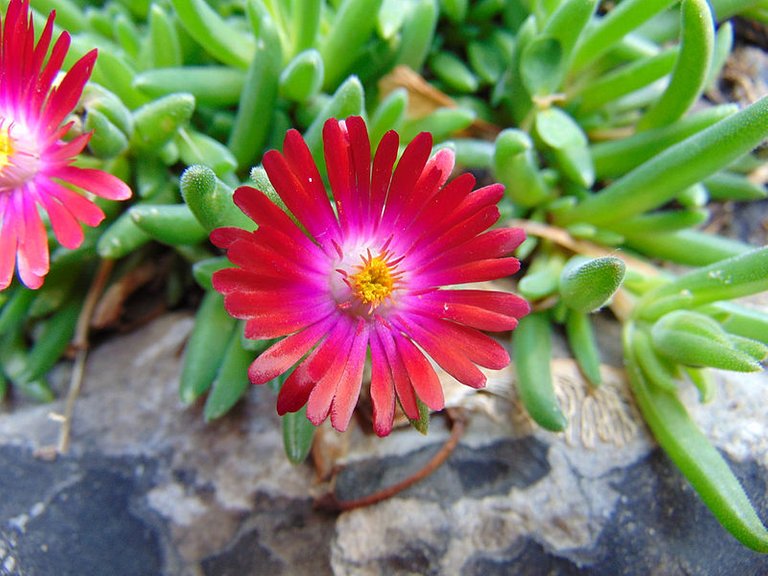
x,y
147,488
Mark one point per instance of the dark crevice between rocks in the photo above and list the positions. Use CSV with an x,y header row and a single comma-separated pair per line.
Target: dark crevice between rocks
x,y
659,526
470,472
281,536
78,516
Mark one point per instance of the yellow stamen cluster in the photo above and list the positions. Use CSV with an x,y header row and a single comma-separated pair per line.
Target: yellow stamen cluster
x,y
374,282
6,146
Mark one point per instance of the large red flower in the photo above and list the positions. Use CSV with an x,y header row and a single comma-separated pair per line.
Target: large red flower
x,y
369,276
34,160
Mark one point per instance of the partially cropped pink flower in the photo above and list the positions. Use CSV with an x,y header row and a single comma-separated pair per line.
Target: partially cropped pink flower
x,y
36,172
365,275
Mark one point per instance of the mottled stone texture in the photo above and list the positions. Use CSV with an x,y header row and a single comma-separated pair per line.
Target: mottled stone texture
x,y
149,489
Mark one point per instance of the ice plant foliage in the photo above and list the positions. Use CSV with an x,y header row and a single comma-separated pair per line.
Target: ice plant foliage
x,y
367,274
36,171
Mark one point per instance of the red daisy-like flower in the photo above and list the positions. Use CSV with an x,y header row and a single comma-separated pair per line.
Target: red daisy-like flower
x,y
369,276
35,162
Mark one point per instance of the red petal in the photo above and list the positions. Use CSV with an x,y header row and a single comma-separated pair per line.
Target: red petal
x,y
423,377
264,212
431,222
484,310
296,388
435,173
403,385
479,271
256,257
279,357
338,160
348,389
492,244
65,226
454,236
442,352
382,389
298,159
95,181
407,173
383,162
8,241
225,237
300,198
32,256
478,347
360,146
81,207
65,96
326,369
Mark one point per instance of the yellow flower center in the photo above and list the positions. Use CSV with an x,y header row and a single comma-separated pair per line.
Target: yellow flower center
x,y
6,147
374,282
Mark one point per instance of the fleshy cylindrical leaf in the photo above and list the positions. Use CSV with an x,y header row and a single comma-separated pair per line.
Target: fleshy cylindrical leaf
x,y
586,285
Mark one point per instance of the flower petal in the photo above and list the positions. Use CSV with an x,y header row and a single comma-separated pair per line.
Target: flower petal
x,y
98,182
421,374
478,271
298,159
64,97
65,226
409,169
478,347
81,207
360,145
8,242
327,369
348,388
403,386
265,213
228,235
382,389
444,353
436,172
492,244
381,175
481,309
300,198
338,160
279,357
32,257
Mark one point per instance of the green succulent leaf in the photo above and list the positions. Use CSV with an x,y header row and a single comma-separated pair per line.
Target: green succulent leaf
x,y
696,458
586,285
206,348
298,434
231,381
540,66
686,163
210,200
741,275
693,339
691,69
532,354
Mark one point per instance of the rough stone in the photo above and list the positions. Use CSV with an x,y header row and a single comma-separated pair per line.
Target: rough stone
x,y
149,488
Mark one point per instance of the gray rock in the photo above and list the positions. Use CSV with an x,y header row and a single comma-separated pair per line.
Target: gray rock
x,y
148,488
